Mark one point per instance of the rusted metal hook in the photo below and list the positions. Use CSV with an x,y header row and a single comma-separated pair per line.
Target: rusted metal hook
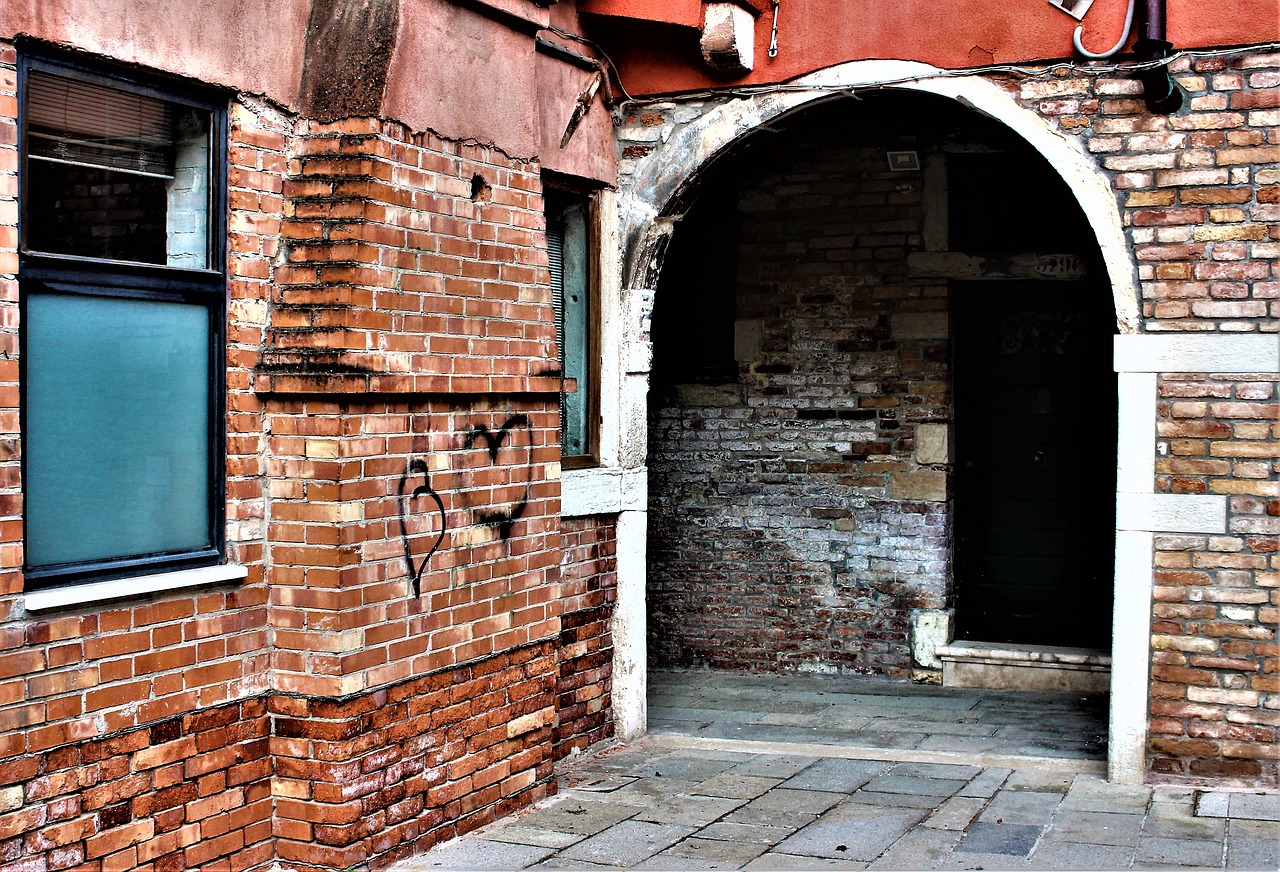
x,y
1124,37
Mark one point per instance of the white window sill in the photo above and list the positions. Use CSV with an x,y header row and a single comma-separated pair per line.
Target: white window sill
x,y
119,588
602,491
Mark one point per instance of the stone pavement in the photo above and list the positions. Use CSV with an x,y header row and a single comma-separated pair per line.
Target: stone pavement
x,y
657,805
877,717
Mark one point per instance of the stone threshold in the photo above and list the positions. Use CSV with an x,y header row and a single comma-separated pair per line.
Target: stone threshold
x,y
851,751
1008,666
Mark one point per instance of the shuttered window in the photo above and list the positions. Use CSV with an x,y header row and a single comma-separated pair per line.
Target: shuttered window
x,y
569,248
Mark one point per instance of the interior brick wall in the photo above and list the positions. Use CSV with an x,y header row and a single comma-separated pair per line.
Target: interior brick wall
x,y
791,527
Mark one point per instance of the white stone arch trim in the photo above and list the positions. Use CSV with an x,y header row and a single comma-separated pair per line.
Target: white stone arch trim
x,y
647,204
662,173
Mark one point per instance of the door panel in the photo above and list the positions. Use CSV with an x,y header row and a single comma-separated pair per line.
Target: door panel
x,y
1035,401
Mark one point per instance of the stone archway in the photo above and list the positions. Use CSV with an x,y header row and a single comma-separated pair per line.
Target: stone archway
x,y
650,201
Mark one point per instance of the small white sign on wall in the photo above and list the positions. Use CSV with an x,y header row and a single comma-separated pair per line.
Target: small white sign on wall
x,y
1075,8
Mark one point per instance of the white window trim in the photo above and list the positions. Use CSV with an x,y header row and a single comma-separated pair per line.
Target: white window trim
x,y
120,588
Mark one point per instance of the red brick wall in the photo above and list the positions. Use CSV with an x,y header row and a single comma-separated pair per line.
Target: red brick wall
x,y
1216,663
187,792
589,582
372,777
389,325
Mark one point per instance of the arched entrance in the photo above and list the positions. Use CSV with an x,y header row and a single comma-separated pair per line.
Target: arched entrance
x,y
916,327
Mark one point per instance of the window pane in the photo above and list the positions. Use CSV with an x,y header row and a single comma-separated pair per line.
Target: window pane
x,y
115,175
567,240
117,442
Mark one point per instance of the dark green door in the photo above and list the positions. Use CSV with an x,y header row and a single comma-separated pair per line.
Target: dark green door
x,y
1035,417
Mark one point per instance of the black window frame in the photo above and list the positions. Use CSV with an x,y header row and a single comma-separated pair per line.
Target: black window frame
x,y
75,275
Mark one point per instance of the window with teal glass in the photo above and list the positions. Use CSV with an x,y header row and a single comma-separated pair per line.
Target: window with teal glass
x,y
569,247
123,304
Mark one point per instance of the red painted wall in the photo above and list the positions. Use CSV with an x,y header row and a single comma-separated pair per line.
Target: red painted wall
x,y
813,34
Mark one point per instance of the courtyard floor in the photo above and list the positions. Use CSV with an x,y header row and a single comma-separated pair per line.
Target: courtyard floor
x,y
754,772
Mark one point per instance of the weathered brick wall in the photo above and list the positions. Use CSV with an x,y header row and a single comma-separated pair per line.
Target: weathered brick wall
x,y
1215,663
1200,193
412,464
791,526
413,264
588,584
122,741
372,777
187,792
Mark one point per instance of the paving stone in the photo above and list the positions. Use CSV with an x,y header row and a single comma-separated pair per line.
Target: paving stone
x,y
785,807
579,816
1011,839
916,786
770,862
1078,855
644,792
853,832
1093,793
1040,781
735,786
1253,852
920,848
1021,807
697,811
760,834
1255,829
562,863
597,782
806,719
627,843
692,765
837,775
1176,820
772,766
956,813
476,853
986,783
1096,828
975,860
736,854
1255,806
1157,850
946,771
896,800
679,864
1210,803
523,835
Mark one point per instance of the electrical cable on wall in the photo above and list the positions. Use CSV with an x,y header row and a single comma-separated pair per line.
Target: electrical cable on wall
x,y
773,36
1025,72
1124,37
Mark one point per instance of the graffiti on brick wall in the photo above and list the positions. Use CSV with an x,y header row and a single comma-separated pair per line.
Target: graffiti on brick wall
x,y
411,503
503,515
483,479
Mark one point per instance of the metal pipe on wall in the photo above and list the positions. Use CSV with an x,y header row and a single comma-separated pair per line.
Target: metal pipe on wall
x,y
1160,92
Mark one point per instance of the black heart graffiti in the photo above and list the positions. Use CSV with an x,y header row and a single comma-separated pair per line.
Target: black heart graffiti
x,y
415,467
502,519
